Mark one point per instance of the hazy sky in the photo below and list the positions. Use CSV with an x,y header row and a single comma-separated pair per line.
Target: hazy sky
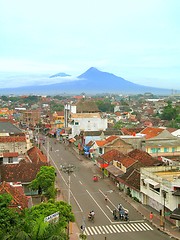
x,y
138,40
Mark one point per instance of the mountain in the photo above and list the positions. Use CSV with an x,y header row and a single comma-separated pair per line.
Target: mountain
x,y
92,81
60,75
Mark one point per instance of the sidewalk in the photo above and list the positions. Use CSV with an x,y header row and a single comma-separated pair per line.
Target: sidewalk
x,y
145,211
73,228
74,234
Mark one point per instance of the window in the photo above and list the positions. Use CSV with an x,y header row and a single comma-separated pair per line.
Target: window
x,y
100,150
153,150
158,150
10,160
174,149
118,164
76,123
152,188
166,150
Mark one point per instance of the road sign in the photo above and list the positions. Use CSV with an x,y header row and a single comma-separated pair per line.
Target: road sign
x,y
52,218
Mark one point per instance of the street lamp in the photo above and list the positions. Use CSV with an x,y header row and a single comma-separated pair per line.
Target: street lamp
x,y
68,169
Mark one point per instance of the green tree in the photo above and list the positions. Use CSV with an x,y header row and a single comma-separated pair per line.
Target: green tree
x,y
105,106
9,218
5,200
44,182
38,229
5,98
121,124
56,106
30,225
169,112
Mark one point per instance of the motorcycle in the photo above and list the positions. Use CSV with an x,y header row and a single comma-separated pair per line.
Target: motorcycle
x,y
91,218
95,179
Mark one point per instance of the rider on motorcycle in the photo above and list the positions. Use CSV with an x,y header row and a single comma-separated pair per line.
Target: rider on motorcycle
x,y
91,215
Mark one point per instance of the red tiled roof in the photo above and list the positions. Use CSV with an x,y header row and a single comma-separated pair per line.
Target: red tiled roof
x,y
117,156
26,169
17,193
126,161
23,172
78,97
131,179
10,154
117,113
111,155
13,139
60,113
109,139
90,144
143,157
151,132
7,120
100,143
36,155
130,131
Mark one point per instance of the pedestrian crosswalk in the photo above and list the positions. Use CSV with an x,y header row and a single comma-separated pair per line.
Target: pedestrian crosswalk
x,y
118,228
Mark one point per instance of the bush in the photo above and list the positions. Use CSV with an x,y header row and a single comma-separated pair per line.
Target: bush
x,y
82,236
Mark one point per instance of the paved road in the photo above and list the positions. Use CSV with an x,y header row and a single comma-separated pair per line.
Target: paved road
x,y
87,195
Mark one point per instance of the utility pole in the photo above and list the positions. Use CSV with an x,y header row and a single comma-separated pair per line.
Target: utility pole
x,y
164,208
47,139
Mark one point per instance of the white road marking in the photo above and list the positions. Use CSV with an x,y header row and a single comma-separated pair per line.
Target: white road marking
x,y
125,229
94,230
103,232
105,229
108,227
109,208
118,228
142,226
146,226
130,226
112,227
99,206
66,184
97,229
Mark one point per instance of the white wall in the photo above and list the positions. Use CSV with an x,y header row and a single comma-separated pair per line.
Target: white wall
x,y
88,124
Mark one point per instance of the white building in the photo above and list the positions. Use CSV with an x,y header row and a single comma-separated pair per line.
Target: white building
x,y
160,187
86,122
83,116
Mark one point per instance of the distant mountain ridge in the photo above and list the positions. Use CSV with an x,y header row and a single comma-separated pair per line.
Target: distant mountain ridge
x,y
93,81
60,75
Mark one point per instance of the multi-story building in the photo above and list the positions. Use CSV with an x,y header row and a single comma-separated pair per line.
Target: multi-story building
x,y
84,116
160,188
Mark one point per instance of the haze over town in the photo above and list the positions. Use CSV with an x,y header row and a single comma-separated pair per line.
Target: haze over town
x,y
136,40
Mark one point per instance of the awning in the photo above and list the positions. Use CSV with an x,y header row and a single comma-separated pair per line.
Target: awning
x,y
72,140
152,182
52,132
175,214
114,170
